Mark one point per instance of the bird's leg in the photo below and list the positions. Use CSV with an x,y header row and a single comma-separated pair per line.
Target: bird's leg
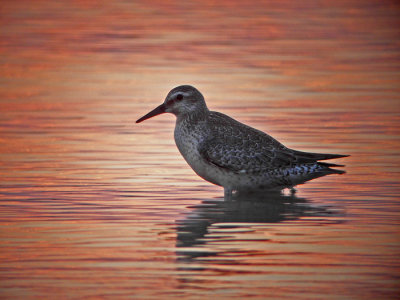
x,y
228,194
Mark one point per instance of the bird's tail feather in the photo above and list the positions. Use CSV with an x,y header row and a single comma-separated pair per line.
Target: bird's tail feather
x,y
317,156
322,170
329,164
329,170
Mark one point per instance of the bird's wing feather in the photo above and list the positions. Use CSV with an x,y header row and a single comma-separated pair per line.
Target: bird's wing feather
x,y
240,148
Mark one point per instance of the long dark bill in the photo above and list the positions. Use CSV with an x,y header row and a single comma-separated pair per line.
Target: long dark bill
x,y
157,111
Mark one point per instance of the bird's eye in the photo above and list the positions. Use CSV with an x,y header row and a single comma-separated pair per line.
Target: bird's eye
x,y
179,97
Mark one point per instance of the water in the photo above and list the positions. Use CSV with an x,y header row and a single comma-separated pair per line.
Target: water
x,y
95,206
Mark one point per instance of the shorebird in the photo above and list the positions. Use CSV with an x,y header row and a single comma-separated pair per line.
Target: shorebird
x,y
233,155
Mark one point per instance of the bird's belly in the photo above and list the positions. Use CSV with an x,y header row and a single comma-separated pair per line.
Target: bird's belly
x,y
188,147
228,178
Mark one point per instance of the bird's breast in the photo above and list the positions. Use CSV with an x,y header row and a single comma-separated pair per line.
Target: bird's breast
x,y
187,139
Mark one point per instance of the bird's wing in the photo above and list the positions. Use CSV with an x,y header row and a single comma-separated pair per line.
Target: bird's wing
x,y
243,149
240,148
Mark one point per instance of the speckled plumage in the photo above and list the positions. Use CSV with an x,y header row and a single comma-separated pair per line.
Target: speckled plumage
x,y
228,153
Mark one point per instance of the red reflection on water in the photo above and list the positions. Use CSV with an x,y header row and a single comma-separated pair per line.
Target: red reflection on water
x,y
90,199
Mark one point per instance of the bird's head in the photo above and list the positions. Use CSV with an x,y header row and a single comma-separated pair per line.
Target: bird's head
x,y
180,101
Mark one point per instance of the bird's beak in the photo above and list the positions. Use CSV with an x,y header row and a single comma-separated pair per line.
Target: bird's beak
x,y
157,111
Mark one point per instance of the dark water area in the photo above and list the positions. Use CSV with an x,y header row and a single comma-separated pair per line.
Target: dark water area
x,y
95,206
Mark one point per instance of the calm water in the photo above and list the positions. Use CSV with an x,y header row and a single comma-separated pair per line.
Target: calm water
x,y
94,206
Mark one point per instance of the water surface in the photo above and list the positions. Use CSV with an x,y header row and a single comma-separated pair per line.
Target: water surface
x,y
95,206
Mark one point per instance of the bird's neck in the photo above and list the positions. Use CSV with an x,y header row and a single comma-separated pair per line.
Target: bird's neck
x,y
193,116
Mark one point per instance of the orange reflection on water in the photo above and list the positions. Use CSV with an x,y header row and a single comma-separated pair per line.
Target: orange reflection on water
x,y
93,205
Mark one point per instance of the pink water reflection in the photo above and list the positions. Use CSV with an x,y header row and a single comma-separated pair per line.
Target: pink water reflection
x,y
91,203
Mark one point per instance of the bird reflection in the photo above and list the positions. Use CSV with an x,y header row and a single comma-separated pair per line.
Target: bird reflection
x,y
234,214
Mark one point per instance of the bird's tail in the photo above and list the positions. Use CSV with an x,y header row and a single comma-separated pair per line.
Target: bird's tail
x,y
315,170
309,156
327,168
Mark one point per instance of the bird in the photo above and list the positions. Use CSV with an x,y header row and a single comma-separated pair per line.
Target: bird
x,y
233,155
